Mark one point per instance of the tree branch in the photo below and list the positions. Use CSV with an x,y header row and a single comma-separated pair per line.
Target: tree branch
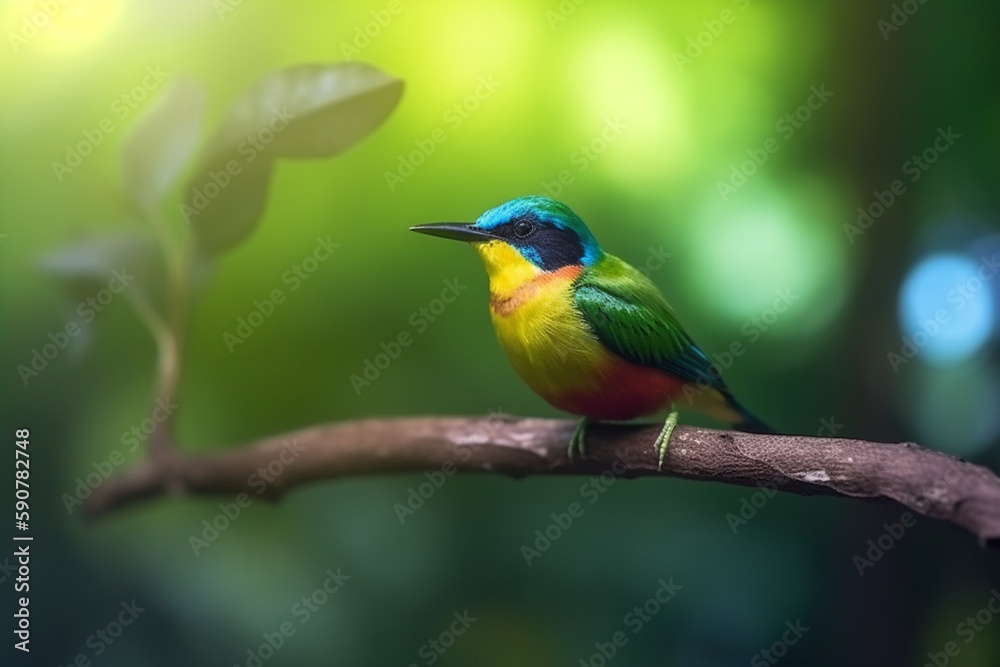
x,y
925,481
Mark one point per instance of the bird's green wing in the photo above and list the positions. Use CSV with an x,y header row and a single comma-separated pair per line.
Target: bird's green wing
x,y
630,317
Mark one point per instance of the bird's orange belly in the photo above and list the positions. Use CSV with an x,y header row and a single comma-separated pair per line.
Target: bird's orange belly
x,y
626,391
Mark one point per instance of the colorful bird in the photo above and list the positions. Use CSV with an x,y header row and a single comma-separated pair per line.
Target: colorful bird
x,y
587,332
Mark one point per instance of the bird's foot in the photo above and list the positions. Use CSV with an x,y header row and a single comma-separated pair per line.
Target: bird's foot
x,y
663,440
578,441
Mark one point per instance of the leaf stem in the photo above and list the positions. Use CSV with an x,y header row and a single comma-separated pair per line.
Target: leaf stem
x,y
167,331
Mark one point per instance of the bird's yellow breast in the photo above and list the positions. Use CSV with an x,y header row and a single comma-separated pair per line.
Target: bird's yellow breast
x,y
538,326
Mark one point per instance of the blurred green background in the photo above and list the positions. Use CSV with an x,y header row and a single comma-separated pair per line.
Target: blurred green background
x,y
643,108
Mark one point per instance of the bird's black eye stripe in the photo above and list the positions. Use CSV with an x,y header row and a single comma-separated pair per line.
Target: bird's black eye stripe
x,y
554,247
519,228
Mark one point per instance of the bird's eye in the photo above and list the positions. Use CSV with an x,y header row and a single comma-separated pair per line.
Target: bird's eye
x,y
523,229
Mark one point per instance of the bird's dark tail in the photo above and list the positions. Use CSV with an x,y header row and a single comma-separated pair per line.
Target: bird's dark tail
x,y
749,421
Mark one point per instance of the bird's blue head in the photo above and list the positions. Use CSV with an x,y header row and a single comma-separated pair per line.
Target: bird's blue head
x,y
543,232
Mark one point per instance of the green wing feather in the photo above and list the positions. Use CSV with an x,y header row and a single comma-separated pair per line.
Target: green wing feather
x,y
631,318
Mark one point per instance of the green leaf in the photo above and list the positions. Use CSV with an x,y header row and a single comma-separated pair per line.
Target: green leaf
x,y
89,265
224,206
127,265
162,143
94,258
308,111
311,111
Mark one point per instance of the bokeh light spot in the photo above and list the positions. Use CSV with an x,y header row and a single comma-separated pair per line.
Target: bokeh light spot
x,y
624,80
745,255
946,308
58,26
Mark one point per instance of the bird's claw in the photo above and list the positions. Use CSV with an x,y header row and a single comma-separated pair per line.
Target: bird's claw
x,y
578,441
663,439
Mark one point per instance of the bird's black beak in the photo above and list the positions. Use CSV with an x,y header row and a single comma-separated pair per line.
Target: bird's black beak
x,y
460,231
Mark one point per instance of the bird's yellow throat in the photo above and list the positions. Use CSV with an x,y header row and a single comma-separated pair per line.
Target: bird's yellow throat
x,y
537,326
507,268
